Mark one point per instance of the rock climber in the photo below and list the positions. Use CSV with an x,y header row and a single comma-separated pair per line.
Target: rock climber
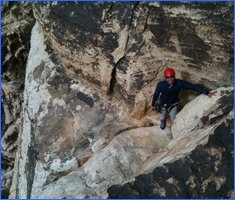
x,y
167,92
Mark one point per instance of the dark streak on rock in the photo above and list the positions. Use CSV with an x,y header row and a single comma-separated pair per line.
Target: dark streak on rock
x,y
138,82
85,98
31,164
60,80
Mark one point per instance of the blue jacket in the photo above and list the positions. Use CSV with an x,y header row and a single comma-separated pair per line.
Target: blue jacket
x,y
169,95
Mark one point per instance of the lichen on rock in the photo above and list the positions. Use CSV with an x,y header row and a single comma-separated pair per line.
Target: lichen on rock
x,y
87,129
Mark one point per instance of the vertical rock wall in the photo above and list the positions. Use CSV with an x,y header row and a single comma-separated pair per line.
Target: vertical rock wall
x,y
90,74
124,47
17,22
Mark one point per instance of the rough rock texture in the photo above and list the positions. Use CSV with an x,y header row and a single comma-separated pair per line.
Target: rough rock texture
x,y
91,71
68,156
205,173
124,47
17,22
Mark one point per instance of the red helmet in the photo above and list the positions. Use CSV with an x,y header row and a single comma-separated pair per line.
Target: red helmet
x,y
169,72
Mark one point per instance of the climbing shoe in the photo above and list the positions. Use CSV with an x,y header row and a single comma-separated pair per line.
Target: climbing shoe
x,y
163,124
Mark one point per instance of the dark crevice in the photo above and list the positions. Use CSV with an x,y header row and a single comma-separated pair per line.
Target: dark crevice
x,y
110,8
31,164
113,81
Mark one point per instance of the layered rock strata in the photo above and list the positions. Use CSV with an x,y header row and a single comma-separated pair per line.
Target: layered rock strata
x,y
123,47
90,74
92,143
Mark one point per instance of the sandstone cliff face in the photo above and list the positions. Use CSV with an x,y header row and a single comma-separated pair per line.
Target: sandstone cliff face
x,y
91,71
203,173
124,47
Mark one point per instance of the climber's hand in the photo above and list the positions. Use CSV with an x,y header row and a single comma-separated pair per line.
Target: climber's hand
x,y
210,94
